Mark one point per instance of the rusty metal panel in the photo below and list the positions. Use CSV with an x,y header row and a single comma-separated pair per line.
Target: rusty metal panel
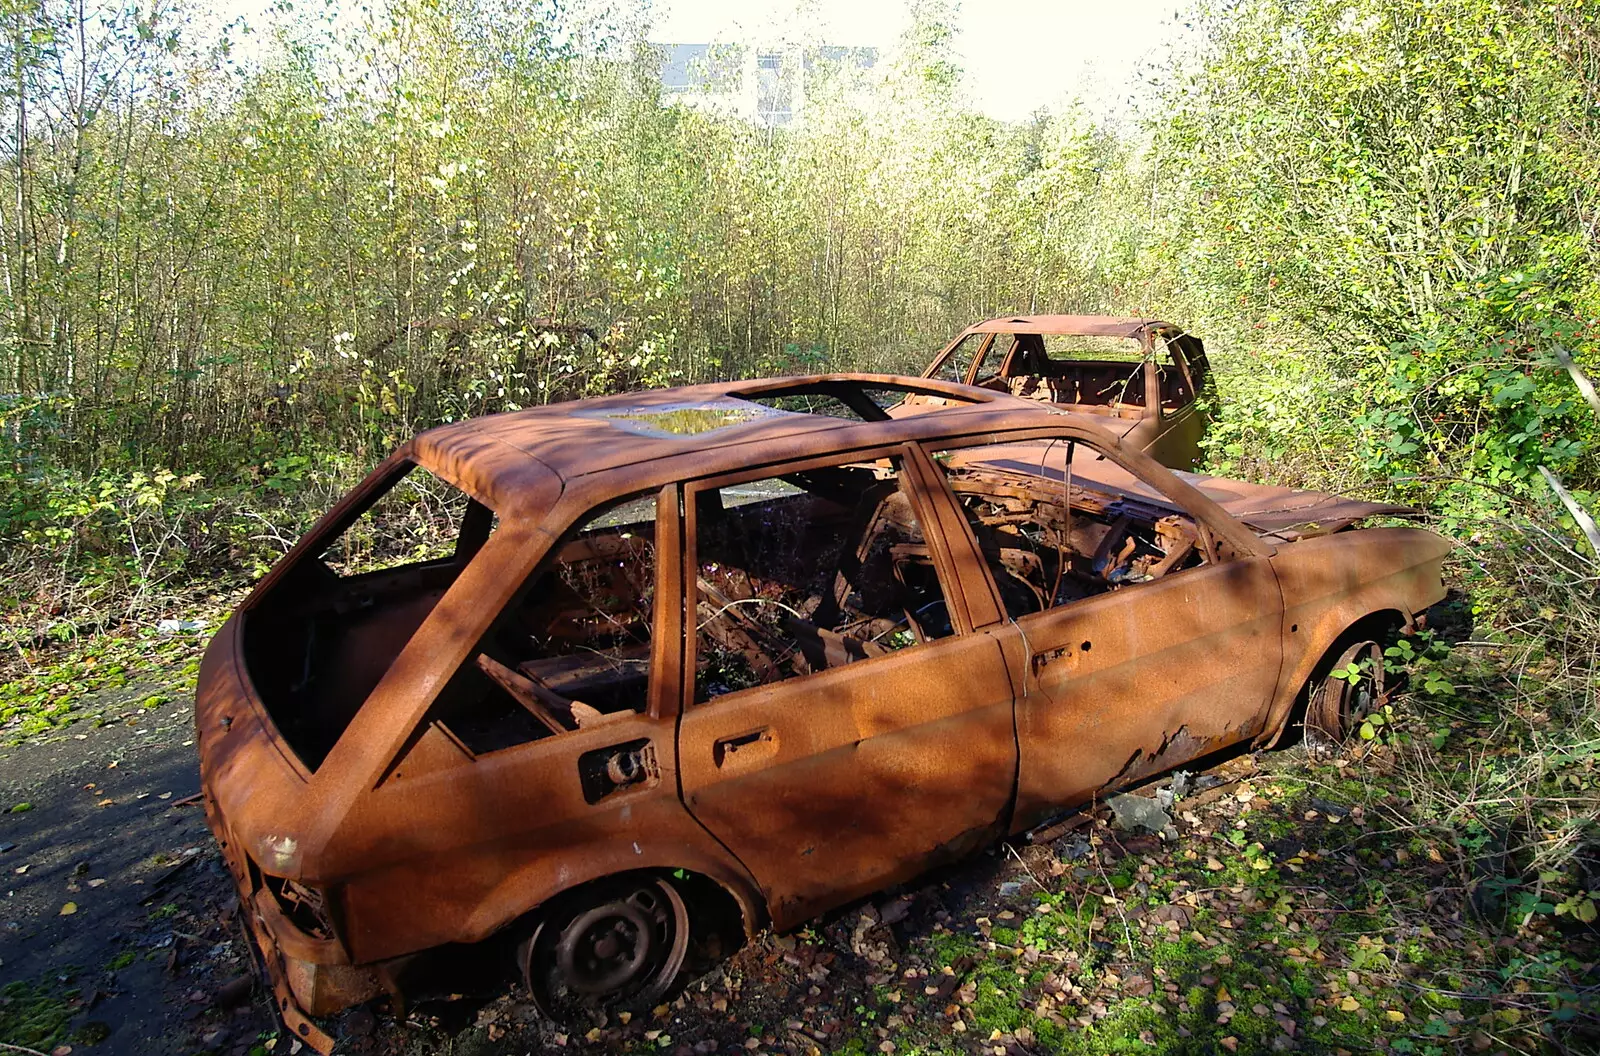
x,y
831,787
1134,682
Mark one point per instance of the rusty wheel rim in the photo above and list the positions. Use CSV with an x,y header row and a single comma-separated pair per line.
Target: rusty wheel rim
x,y
1338,704
624,949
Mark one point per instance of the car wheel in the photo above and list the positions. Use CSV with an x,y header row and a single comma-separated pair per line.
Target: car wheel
x,y
617,947
1338,704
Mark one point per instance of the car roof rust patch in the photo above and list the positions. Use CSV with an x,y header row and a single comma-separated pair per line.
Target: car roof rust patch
x,y
579,438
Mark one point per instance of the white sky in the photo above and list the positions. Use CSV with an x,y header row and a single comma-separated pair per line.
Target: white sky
x,y
1018,55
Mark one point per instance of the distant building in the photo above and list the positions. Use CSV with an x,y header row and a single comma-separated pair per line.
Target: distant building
x,y
766,84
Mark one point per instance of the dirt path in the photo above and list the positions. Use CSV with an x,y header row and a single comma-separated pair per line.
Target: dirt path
x,y
114,896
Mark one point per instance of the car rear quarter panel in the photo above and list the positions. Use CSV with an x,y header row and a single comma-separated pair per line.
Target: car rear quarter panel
x,y
254,787
459,853
1331,581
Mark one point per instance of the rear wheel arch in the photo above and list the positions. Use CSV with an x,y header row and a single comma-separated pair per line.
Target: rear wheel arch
x,y
525,892
726,898
712,922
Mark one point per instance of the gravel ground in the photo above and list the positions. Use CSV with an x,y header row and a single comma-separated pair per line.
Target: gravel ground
x,y
115,898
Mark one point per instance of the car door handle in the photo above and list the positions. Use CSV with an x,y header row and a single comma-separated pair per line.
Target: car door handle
x,y
746,747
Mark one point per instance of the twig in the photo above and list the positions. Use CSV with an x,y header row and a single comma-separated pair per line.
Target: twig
x,y
1025,868
1116,901
19,1048
1579,378
1579,514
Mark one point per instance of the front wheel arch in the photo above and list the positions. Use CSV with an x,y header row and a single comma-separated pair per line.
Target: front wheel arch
x,y
1381,626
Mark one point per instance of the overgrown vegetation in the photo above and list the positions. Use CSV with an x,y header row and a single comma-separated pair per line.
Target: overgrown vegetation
x,y
230,286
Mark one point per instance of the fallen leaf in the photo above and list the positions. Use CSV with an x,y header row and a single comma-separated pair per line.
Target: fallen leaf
x,y
69,909
1230,1043
1349,1004
1213,864
1396,1016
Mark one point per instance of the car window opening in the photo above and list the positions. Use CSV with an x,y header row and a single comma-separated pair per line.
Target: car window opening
x,y
851,400
1050,543
1092,372
806,572
317,644
573,649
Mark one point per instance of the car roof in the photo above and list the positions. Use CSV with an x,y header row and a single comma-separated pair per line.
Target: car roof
x,y
502,456
1076,325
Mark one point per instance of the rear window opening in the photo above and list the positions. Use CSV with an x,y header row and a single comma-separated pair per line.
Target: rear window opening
x,y
317,644
1097,374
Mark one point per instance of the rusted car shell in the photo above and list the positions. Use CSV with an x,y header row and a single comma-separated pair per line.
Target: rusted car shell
x,y
1169,434
409,855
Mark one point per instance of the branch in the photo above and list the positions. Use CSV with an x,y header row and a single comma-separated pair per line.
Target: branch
x,y
1578,513
1581,380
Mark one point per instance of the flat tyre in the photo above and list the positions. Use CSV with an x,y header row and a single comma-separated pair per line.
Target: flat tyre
x,y
618,946
1336,705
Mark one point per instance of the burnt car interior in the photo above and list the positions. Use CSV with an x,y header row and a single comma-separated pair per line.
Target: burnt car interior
x,y
1053,542
1086,370
319,641
806,572
572,649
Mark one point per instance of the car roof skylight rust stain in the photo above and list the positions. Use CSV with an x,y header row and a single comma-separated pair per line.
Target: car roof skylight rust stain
x,y
502,455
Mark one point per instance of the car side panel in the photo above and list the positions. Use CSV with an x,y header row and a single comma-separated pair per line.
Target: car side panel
x,y
462,851
1176,436
1139,680
857,777
1331,581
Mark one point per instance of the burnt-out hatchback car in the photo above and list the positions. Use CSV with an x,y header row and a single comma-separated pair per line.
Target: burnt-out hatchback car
x,y
747,650
1148,381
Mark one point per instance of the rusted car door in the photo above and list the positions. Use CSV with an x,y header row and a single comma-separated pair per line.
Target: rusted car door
x,y
834,783
1139,678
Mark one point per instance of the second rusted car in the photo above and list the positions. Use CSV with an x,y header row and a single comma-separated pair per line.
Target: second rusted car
x,y
748,651
1147,381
